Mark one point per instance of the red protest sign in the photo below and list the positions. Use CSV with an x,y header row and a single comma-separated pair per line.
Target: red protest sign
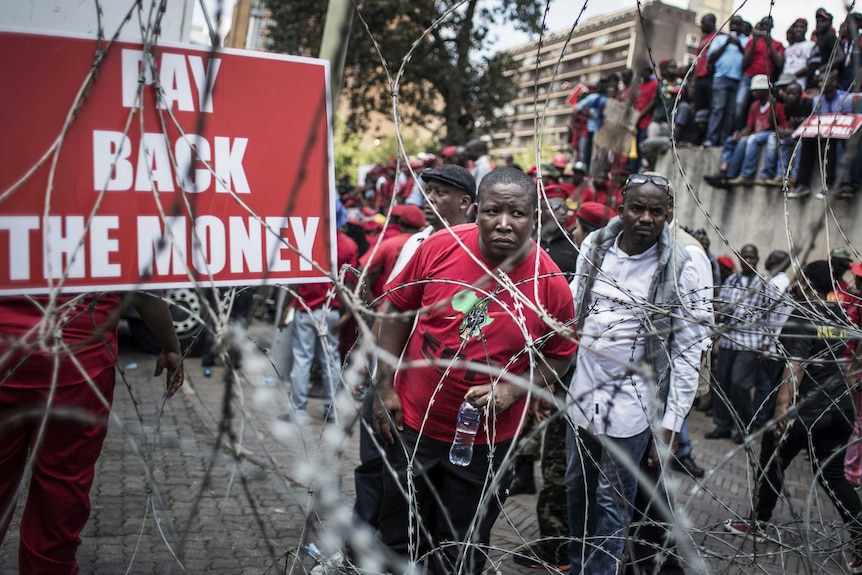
x,y
838,126
103,188
573,97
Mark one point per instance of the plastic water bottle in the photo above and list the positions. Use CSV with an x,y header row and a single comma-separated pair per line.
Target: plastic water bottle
x,y
461,452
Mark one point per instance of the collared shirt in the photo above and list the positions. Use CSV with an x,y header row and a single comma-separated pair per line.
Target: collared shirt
x,y
729,64
742,310
609,393
778,308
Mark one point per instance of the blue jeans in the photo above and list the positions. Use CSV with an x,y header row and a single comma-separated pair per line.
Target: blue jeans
x,y
600,491
743,99
313,334
684,449
778,154
733,154
753,146
722,111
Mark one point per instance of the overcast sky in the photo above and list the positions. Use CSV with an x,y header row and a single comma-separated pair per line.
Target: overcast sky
x,y
563,13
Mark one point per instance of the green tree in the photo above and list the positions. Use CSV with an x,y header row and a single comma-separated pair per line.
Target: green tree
x,y
445,75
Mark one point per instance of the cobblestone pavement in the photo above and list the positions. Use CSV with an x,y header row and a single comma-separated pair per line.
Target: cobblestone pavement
x,y
214,482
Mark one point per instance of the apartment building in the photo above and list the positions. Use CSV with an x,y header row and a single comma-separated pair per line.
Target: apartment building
x,y
597,47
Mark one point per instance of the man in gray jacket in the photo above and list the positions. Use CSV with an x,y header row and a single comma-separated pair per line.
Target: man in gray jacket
x,y
642,332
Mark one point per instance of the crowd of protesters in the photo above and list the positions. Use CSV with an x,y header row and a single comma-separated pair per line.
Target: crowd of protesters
x,y
746,92
750,337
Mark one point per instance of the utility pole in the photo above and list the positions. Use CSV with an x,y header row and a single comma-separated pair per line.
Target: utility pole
x,y
333,45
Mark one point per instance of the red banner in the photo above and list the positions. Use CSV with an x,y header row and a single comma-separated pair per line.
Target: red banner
x,y
104,186
838,126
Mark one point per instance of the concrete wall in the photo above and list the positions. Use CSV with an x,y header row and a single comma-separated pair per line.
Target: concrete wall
x,y
759,215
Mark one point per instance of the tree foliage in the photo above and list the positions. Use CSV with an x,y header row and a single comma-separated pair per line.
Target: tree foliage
x,y
446,75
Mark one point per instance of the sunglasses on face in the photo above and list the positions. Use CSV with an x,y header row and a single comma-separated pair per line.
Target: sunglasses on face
x,y
641,179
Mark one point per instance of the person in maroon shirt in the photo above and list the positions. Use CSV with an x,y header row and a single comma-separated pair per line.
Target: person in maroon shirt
x,y
62,378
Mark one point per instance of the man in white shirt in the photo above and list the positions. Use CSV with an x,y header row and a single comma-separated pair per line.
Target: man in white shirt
x,y
797,53
777,310
642,332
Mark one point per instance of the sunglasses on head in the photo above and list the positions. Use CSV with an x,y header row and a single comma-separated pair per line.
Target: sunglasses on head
x,y
640,179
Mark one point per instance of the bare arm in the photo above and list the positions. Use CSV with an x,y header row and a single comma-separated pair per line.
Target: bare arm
x,y
156,314
789,385
393,334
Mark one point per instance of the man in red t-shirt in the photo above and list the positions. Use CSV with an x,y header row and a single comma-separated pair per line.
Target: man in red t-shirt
x,y
478,336
379,261
75,373
762,55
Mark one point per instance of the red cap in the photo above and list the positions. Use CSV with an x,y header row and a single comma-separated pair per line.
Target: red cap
x,y
556,191
560,161
726,261
410,215
595,214
448,151
856,269
532,171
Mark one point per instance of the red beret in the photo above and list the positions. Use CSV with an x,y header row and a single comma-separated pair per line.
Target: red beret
x,y
448,151
560,161
410,215
856,269
556,191
726,261
595,214
532,171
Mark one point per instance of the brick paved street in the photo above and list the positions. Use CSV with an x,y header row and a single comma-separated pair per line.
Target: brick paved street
x,y
239,502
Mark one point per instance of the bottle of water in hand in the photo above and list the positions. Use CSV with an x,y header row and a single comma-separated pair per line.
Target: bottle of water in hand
x,y
461,452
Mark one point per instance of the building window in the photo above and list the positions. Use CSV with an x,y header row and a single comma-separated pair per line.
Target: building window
x,y
691,40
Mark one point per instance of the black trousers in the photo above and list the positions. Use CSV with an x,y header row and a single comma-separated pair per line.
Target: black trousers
x,y
452,508
828,438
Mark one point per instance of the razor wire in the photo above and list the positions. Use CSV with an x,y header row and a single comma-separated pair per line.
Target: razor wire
x,y
308,460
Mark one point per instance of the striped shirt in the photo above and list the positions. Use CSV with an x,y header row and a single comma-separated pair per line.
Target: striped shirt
x,y
741,310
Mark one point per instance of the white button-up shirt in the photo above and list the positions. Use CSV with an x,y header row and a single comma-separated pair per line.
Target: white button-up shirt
x,y
609,393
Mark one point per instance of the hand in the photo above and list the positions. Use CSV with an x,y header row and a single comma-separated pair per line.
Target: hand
x,y
172,362
505,394
542,409
780,418
387,410
735,136
764,352
667,438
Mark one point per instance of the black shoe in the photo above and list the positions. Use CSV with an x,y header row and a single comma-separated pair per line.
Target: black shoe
x,y
718,433
523,483
718,181
687,465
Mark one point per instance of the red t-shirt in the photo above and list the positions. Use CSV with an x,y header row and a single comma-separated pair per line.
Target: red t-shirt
x,y
314,295
646,94
384,259
762,120
761,63
475,319
701,67
88,326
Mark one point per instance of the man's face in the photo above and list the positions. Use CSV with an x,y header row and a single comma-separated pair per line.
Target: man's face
x,y
554,213
793,94
823,25
578,177
643,212
627,76
707,24
736,24
797,32
831,85
451,202
506,218
671,70
760,95
748,258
